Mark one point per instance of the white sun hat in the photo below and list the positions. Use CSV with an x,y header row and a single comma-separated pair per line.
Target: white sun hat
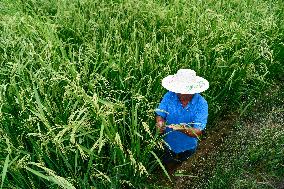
x,y
185,81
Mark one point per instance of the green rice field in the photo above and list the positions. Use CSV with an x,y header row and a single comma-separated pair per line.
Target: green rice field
x,y
80,80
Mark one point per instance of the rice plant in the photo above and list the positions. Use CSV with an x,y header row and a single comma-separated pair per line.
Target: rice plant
x,y
80,81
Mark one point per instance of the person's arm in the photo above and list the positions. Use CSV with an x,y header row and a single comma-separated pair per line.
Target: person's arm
x,y
190,131
161,113
201,116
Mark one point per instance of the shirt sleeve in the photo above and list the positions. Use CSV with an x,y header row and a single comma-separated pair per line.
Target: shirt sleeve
x,y
201,116
162,109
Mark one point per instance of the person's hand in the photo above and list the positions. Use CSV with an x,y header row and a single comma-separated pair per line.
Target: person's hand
x,y
161,130
161,127
177,127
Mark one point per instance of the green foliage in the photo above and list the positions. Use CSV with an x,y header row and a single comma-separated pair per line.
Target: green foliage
x,y
80,80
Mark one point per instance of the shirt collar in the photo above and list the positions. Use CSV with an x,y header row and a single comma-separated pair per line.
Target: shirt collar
x,y
194,98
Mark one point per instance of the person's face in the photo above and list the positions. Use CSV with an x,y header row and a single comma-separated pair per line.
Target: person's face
x,y
184,96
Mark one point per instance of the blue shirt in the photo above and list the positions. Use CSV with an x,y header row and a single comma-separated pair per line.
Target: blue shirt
x,y
194,114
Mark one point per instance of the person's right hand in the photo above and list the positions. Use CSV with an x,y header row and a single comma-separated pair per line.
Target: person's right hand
x,y
161,127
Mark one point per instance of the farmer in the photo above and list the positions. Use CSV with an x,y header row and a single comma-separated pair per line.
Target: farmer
x,y
181,116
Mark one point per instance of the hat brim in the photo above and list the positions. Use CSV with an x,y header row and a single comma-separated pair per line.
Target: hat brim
x,y
199,85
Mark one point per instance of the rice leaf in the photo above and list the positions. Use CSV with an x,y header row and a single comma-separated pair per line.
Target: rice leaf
x,y
162,166
101,137
52,176
4,172
38,173
40,108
